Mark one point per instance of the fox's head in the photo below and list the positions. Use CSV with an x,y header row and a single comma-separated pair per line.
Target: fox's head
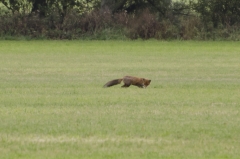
x,y
146,82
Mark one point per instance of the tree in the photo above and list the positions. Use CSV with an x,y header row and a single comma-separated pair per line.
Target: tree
x,y
224,12
160,6
13,5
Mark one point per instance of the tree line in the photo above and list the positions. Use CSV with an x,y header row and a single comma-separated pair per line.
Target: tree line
x,y
161,19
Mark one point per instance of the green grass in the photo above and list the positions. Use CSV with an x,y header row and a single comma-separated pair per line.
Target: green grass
x,y
52,104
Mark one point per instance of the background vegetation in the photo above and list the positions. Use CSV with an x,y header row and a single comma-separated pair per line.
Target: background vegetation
x,y
120,19
53,104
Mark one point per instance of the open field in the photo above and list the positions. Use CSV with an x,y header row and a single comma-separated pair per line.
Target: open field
x,y
52,104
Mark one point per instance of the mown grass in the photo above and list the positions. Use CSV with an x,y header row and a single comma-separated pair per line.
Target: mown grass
x,y
53,104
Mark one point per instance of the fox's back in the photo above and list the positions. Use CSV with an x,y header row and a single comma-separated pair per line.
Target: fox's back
x,y
132,80
136,81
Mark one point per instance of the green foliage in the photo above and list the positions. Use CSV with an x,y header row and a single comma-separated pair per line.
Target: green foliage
x,y
17,5
53,104
45,6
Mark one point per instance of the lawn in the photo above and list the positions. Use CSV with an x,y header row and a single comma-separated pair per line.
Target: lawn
x,y
53,104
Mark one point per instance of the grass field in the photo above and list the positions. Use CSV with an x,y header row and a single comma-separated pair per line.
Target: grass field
x,y
52,104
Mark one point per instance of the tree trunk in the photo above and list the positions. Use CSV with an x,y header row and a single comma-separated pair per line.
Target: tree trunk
x,y
40,6
112,5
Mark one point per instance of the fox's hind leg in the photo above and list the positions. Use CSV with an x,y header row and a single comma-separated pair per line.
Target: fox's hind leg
x,y
126,85
127,82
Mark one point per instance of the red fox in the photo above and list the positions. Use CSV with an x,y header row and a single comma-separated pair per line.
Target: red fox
x,y
129,80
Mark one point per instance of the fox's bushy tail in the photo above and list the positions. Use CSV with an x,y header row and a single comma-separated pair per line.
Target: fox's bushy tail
x,y
113,82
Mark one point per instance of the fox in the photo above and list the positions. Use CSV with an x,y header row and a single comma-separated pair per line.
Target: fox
x,y
129,80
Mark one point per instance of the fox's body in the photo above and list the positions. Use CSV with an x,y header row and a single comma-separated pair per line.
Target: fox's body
x,y
129,80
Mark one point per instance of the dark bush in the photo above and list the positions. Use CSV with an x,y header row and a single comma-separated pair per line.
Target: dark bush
x,y
144,26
